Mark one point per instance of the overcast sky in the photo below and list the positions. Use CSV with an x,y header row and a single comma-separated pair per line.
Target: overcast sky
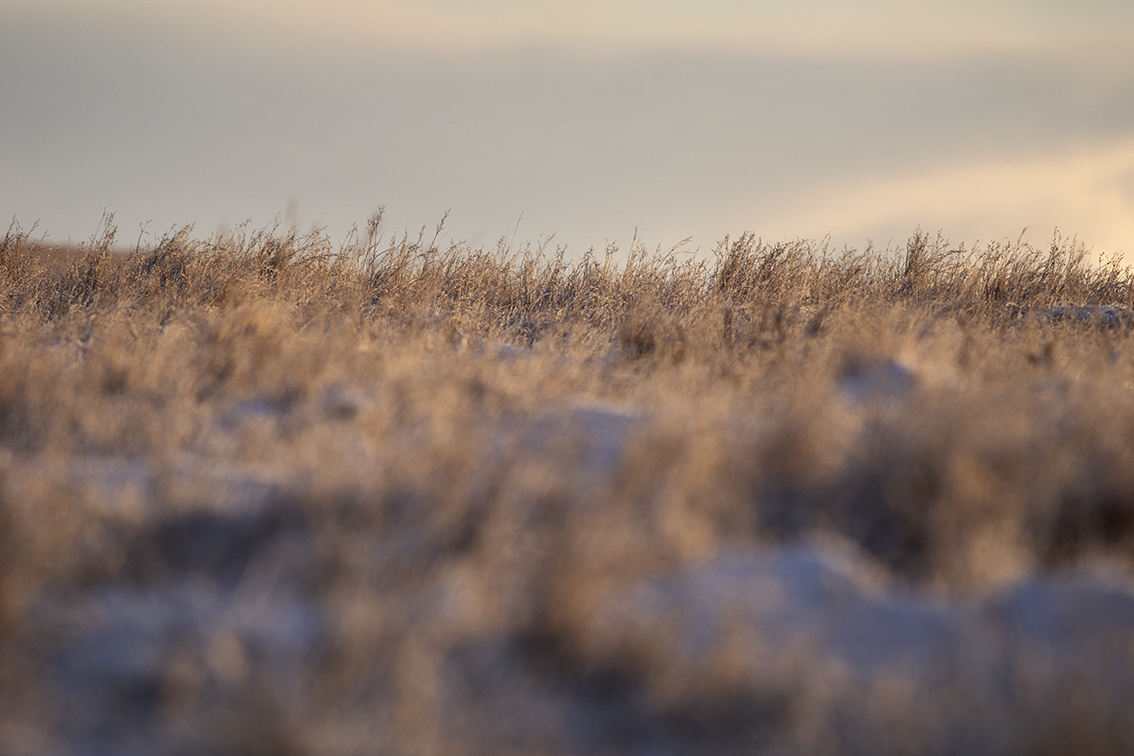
x,y
859,120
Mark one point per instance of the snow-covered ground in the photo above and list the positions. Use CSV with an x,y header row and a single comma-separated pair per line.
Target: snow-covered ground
x,y
196,617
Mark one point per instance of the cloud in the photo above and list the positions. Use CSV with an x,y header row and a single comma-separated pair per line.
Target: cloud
x,y
1086,190
441,104
823,28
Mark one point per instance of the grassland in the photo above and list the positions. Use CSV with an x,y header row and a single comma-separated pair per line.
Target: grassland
x,y
263,493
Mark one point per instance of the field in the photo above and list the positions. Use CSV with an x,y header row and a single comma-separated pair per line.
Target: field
x,y
267,494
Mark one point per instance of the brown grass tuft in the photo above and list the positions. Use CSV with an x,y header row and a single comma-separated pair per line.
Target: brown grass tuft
x,y
422,466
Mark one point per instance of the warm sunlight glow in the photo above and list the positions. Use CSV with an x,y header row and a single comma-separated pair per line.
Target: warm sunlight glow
x,y
1088,191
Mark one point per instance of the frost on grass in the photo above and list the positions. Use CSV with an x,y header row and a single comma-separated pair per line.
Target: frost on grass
x,y
258,495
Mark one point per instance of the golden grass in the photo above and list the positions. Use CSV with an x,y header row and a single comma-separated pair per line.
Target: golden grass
x,y
421,412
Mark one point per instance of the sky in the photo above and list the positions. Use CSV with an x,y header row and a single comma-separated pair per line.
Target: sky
x,y
587,123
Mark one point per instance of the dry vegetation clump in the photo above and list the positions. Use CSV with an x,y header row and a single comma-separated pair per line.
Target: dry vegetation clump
x,y
263,494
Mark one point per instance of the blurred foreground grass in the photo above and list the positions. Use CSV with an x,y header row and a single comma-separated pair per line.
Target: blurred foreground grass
x,y
264,494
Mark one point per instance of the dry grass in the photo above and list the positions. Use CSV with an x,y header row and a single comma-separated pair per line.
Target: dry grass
x,y
401,438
